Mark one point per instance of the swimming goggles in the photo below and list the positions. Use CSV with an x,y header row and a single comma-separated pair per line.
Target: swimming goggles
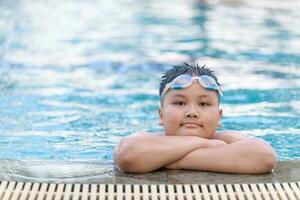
x,y
185,80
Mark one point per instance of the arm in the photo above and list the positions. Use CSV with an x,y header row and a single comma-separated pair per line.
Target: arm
x,y
230,136
140,153
241,155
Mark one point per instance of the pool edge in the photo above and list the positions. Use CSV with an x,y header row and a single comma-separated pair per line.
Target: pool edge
x,y
285,171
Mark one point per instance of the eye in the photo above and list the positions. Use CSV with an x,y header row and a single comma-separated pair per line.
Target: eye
x,y
179,103
204,104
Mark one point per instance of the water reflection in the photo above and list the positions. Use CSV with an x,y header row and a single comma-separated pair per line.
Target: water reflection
x,y
88,72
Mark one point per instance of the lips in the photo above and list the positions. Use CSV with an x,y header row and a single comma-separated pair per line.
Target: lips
x,y
191,124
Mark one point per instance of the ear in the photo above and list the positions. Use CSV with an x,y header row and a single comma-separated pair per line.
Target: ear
x,y
160,117
220,117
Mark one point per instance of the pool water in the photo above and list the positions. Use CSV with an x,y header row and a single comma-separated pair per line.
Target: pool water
x,y
77,76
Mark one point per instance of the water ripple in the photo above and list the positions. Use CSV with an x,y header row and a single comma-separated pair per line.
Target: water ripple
x,y
75,77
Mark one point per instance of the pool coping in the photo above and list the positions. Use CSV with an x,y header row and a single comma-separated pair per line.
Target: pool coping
x,y
285,171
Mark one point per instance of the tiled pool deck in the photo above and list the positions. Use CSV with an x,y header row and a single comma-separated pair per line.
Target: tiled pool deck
x,y
285,171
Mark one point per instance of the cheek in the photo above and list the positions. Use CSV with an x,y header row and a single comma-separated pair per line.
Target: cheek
x,y
212,117
171,118
170,112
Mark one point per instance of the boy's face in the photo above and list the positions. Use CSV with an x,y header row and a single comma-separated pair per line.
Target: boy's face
x,y
192,111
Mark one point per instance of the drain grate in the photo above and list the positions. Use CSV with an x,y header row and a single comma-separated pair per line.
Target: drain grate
x,y
50,191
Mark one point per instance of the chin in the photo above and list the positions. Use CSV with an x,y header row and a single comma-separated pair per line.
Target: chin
x,y
194,132
191,133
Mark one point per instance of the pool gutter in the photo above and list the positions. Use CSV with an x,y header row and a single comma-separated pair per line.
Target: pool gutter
x,y
80,172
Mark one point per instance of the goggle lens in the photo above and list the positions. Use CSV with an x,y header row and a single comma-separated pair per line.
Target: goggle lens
x,y
208,82
182,81
186,80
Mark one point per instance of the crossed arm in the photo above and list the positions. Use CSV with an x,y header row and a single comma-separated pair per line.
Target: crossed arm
x,y
227,152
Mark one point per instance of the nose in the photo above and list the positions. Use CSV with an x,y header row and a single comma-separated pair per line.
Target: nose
x,y
192,113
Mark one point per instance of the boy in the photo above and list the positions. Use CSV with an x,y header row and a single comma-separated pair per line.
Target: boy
x,y
190,114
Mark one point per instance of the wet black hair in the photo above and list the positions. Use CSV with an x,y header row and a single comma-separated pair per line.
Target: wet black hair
x,y
186,68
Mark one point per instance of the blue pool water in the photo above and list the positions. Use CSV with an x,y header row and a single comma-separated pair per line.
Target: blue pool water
x,y
77,76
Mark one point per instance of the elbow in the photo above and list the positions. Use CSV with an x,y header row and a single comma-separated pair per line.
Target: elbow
x,y
262,165
266,161
124,155
127,157
268,158
126,161
130,165
262,160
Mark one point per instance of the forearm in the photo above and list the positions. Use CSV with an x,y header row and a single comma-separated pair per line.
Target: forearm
x,y
140,154
247,156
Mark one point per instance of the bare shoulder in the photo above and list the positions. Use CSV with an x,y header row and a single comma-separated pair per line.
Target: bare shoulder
x,y
230,136
137,136
143,133
133,138
235,136
231,133
140,133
